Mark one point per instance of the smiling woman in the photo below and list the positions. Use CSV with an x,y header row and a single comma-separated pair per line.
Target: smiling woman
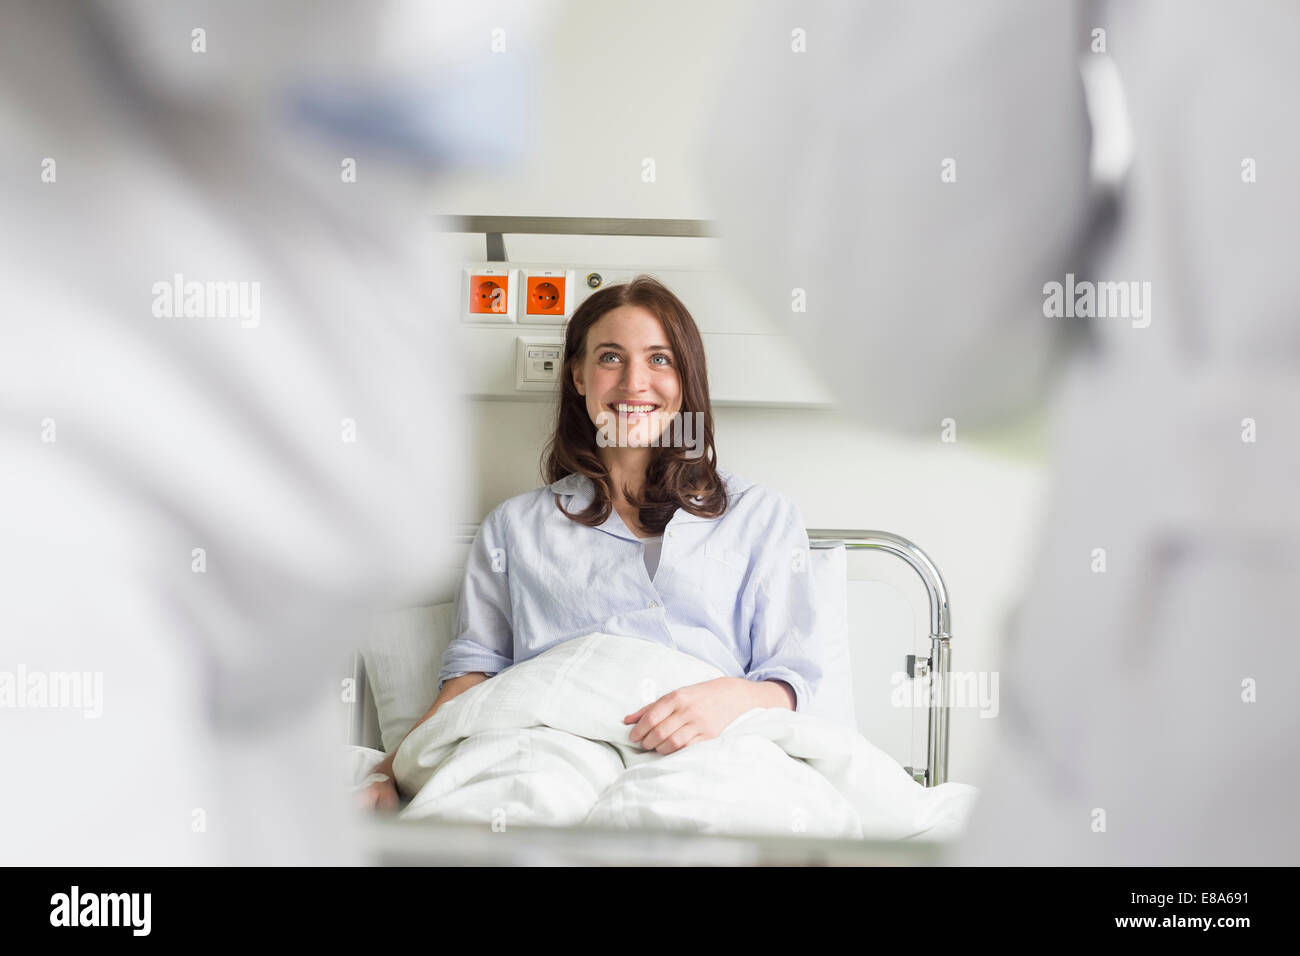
x,y
729,584
634,358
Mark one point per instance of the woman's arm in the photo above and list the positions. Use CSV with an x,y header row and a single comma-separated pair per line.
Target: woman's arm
x,y
382,795
483,628
450,689
788,636
787,698
483,641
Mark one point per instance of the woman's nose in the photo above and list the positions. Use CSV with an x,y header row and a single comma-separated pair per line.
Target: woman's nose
x,y
635,378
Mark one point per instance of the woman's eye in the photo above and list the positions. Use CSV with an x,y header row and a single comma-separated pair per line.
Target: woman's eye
x,y
666,359
608,355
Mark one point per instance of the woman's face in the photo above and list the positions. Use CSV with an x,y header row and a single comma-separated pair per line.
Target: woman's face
x,y
629,365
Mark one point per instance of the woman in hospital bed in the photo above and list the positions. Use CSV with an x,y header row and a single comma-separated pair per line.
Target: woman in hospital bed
x,y
639,534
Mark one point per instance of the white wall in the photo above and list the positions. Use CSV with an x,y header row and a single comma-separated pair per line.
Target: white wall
x,y
624,81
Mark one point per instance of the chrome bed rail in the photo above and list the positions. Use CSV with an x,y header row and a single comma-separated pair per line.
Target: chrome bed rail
x,y
939,664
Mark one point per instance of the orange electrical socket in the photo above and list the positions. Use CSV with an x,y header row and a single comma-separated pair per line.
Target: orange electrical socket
x,y
489,294
545,295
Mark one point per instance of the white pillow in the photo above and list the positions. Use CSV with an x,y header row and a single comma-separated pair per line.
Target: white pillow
x,y
834,699
403,655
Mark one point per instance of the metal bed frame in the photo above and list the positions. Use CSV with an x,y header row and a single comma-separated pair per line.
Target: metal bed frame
x,y
938,665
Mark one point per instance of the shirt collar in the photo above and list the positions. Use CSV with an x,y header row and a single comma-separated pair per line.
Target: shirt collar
x,y
582,490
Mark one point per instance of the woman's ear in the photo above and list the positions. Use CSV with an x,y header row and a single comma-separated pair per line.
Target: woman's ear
x,y
577,380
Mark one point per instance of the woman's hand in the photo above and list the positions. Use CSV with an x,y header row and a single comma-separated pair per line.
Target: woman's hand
x,y
694,712
381,795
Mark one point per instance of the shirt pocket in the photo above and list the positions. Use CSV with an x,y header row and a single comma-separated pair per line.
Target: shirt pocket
x,y
724,575
717,551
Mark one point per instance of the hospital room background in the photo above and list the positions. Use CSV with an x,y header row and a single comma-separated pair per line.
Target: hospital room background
x,y
608,94
863,206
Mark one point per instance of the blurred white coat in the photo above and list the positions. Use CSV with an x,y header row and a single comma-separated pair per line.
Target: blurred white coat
x,y
1150,713
203,509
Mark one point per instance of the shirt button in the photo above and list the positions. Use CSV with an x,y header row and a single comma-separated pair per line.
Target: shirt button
x,y
654,604
671,533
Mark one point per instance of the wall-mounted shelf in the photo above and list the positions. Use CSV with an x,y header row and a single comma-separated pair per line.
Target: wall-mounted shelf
x,y
497,227
751,362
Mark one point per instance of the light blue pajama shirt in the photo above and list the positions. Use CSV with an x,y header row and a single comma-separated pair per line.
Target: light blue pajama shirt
x,y
735,591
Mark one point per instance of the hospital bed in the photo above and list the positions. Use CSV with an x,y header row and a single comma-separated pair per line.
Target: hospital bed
x,y
859,687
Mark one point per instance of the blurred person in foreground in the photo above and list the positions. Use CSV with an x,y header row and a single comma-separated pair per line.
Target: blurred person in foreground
x,y
929,171
224,420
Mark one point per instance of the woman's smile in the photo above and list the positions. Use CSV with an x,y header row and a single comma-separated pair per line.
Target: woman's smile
x,y
633,411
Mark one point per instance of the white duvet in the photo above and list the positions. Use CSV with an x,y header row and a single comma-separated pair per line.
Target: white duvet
x,y
544,743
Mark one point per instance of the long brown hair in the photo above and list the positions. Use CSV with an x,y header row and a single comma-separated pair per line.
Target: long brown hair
x,y
673,480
